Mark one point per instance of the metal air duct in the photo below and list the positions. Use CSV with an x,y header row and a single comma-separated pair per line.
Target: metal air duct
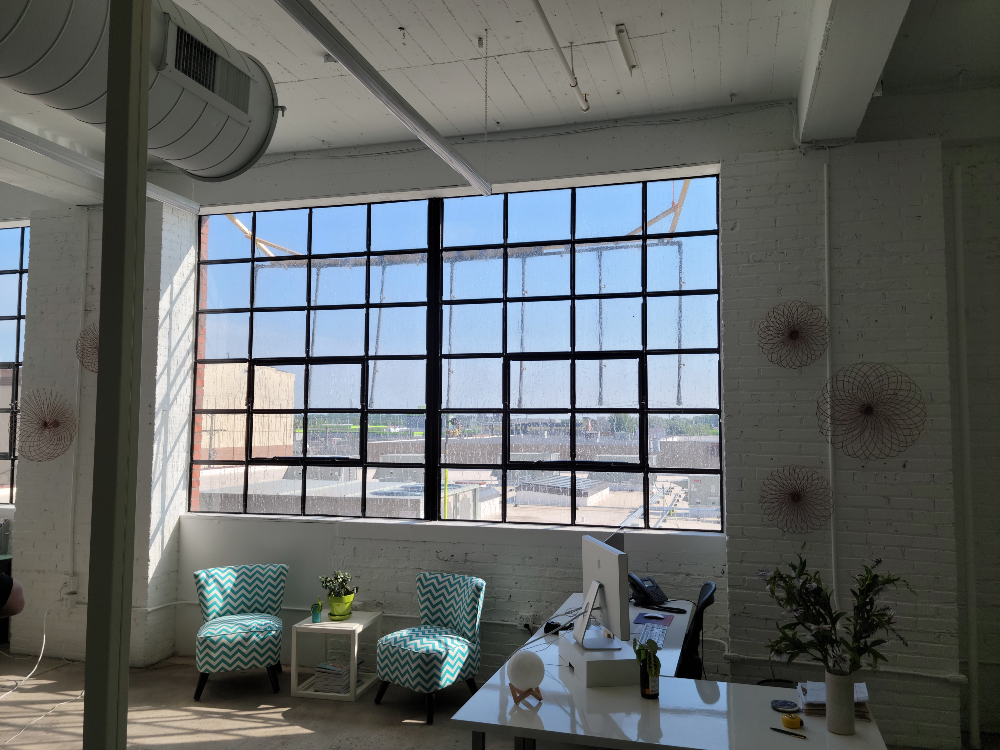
x,y
212,108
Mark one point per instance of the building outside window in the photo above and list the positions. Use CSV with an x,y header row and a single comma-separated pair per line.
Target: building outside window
x,y
539,357
13,293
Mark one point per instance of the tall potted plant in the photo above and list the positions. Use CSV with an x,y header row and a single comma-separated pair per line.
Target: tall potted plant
x,y
649,668
841,642
339,594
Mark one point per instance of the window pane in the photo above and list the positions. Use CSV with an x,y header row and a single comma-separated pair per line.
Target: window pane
x,y
282,233
607,382
24,294
8,334
471,383
542,215
226,336
399,278
538,326
334,435
609,268
470,495
278,387
226,236
471,329
539,437
225,286
689,441
339,229
277,435
333,490
399,226
608,210
608,437
397,330
339,282
220,437
603,324
20,343
8,294
10,250
471,438
27,247
5,445
538,271
335,386
685,501
609,498
476,220
538,497
698,375
699,255
683,322
274,489
395,439
472,274
217,488
337,333
221,386
539,385
681,205
394,493
397,384
279,334
280,284
6,387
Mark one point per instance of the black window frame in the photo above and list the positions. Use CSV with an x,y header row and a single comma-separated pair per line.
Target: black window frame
x,y
10,411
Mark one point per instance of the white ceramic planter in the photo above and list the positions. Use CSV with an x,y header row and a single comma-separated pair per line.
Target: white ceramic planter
x,y
840,703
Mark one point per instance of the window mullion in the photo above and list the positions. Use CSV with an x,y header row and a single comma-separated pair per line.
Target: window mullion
x,y
432,418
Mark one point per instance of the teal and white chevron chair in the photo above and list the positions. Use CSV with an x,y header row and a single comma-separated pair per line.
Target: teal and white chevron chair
x,y
241,606
444,648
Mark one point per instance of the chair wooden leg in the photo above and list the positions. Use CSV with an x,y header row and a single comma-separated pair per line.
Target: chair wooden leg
x,y
430,708
471,682
202,679
272,672
278,667
381,691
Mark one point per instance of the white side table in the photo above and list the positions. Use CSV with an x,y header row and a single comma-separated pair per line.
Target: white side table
x,y
352,626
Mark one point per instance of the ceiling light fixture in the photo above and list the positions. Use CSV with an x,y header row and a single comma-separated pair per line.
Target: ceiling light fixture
x,y
626,45
310,18
574,84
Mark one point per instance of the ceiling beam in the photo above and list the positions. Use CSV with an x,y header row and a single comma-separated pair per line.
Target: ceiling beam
x,y
848,44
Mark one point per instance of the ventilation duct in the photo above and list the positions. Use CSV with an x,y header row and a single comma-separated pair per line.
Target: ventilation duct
x,y
212,108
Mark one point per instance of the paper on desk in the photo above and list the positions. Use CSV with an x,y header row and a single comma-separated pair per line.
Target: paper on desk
x,y
815,692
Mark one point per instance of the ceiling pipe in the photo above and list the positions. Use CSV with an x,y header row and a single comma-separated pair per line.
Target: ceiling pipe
x,y
574,84
312,19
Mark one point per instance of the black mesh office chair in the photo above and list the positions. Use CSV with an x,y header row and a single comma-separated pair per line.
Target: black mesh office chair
x,y
689,665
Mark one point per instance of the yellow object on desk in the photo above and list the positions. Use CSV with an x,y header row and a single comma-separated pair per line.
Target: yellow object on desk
x,y
791,721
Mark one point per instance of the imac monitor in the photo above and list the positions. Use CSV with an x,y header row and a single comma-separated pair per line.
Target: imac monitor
x,y
609,566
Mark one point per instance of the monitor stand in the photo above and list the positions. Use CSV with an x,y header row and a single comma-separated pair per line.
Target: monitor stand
x,y
595,640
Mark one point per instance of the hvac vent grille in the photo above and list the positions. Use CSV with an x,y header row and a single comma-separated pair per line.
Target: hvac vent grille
x,y
199,63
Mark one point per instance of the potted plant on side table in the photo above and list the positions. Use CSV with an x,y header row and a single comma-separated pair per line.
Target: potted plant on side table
x,y
649,668
838,640
338,594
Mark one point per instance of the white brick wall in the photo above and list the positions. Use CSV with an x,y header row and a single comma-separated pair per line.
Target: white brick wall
x,y
889,300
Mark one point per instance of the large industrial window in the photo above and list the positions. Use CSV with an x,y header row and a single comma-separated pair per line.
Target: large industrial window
x,y
13,291
541,357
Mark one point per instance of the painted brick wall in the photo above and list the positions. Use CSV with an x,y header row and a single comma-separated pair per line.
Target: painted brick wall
x,y
889,304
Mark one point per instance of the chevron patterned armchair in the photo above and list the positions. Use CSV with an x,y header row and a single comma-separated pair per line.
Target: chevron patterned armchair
x,y
444,648
241,607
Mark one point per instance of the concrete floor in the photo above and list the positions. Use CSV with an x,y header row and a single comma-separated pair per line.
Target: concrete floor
x,y
237,711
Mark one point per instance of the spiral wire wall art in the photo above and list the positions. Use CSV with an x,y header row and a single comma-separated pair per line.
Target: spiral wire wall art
x,y
46,426
796,499
871,410
794,334
87,346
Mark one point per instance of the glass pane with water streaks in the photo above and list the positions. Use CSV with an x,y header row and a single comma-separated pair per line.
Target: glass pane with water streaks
x,y
274,489
609,498
539,384
685,501
609,268
335,386
8,293
279,387
539,496
472,329
470,495
682,264
684,322
226,336
339,229
612,438
538,326
221,386
280,283
217,488
541,271
394,493
607,383
399,226
339,281
279,334
686,205
399,278
226,236
10,249
334,435
689,441
471,383
397,384
220,437
608,324
471,438
539,438
395,439
472,274
397,330
476,220
282,234
337,333
538,216
687,381
609,210
333,490
276,435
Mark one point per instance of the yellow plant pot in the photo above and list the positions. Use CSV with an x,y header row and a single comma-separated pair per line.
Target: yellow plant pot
x,y
340,606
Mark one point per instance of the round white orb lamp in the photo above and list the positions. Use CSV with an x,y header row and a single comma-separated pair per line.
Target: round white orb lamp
x,y
525,672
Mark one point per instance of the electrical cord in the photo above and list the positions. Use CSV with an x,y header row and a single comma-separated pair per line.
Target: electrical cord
x,y
7,742
41,653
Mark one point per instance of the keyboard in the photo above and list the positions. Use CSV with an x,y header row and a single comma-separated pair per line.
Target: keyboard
x,y
655,633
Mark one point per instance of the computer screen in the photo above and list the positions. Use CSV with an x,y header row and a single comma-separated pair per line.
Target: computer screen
x,y
604,563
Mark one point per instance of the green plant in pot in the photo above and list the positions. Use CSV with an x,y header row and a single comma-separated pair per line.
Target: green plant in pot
x,y
339,594
841,642
649,668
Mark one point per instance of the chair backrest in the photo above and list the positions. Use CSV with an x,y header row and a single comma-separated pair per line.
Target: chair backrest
x,y
451,601
241,590
689,663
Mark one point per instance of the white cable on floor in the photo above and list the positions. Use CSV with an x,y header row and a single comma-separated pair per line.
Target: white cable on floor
x,y
40,655
41,717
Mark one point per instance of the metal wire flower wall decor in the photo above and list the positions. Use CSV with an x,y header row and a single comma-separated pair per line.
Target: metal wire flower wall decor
x,y
46,426
87,346
794,334
871,410
796,499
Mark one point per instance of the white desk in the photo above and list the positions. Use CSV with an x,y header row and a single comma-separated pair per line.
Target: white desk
x,y
694,714
352,626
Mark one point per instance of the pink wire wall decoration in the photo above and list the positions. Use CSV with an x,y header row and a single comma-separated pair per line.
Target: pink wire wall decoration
x,y
794,334
46,426
796,499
